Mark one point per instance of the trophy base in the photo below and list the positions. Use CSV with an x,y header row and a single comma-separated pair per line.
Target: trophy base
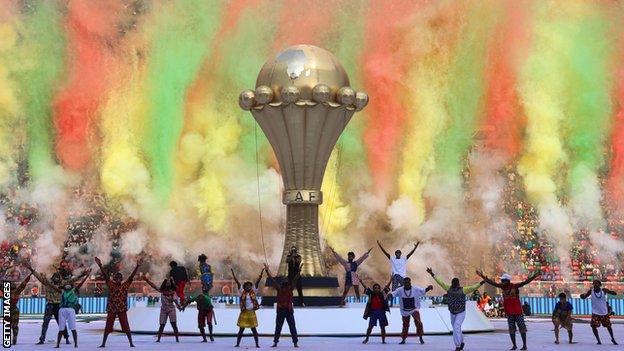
x,y
317,291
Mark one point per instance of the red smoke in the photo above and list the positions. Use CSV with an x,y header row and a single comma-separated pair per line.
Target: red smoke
x,y
503,122
615,183
92,29
384,72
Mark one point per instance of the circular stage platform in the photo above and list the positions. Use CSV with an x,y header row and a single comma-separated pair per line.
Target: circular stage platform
x,y
311,321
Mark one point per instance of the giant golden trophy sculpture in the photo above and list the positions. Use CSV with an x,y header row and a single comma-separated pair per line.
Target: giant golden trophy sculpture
x,y
303,102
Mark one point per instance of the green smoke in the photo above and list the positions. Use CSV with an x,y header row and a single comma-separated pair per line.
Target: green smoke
x,y
589,97
244,53
466,89
348,45
42,53
180,40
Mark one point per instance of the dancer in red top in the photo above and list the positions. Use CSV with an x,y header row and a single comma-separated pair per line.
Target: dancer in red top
x,y
512,305
284,309
117,305
376,309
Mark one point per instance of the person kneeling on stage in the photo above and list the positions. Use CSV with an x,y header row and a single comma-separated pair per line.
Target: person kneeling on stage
x,y
376,309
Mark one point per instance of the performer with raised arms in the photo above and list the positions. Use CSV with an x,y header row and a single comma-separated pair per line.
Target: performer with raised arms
x,y
248,306
294,268
54,285
512,305
69,307
376,309
168,305
600,311
456,295
351,277
399,264
284,309
117,304
409,297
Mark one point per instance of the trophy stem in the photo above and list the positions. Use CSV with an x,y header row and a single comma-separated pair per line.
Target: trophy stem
x,y
302,231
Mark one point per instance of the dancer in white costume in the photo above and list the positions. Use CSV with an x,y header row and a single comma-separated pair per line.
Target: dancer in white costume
x,y
600,311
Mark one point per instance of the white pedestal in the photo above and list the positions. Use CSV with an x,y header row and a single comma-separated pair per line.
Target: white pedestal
x,y
333,321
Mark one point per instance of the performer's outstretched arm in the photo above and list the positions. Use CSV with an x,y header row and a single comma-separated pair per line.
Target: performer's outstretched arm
x,y
104,274
86,276
339,258
270,276
383,250
529,279
235,279
609,291
441,283
150,283
472,288
259,278
40,277
22,286
363,257
134,272
488,280
412,252
586,295
387,287
363,285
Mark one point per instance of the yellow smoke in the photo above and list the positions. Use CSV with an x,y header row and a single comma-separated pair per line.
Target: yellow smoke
x,y
210,138
427,84
542,88
9,106
335,214
123,173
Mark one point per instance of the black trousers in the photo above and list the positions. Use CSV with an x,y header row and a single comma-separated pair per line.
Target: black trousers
x,y
51,309
289,316
299,287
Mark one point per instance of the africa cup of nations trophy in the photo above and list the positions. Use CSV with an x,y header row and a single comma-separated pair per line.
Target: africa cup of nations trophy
x,y
303,102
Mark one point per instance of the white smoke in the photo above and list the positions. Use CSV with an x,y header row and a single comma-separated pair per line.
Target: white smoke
x,y
101,245
403,215
47,251
133,242
448,214
585,201
368,205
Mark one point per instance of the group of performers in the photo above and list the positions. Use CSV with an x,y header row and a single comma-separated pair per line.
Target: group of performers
x,y
63,290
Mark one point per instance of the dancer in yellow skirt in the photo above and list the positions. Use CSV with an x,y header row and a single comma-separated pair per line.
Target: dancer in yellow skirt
x,y
248,305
